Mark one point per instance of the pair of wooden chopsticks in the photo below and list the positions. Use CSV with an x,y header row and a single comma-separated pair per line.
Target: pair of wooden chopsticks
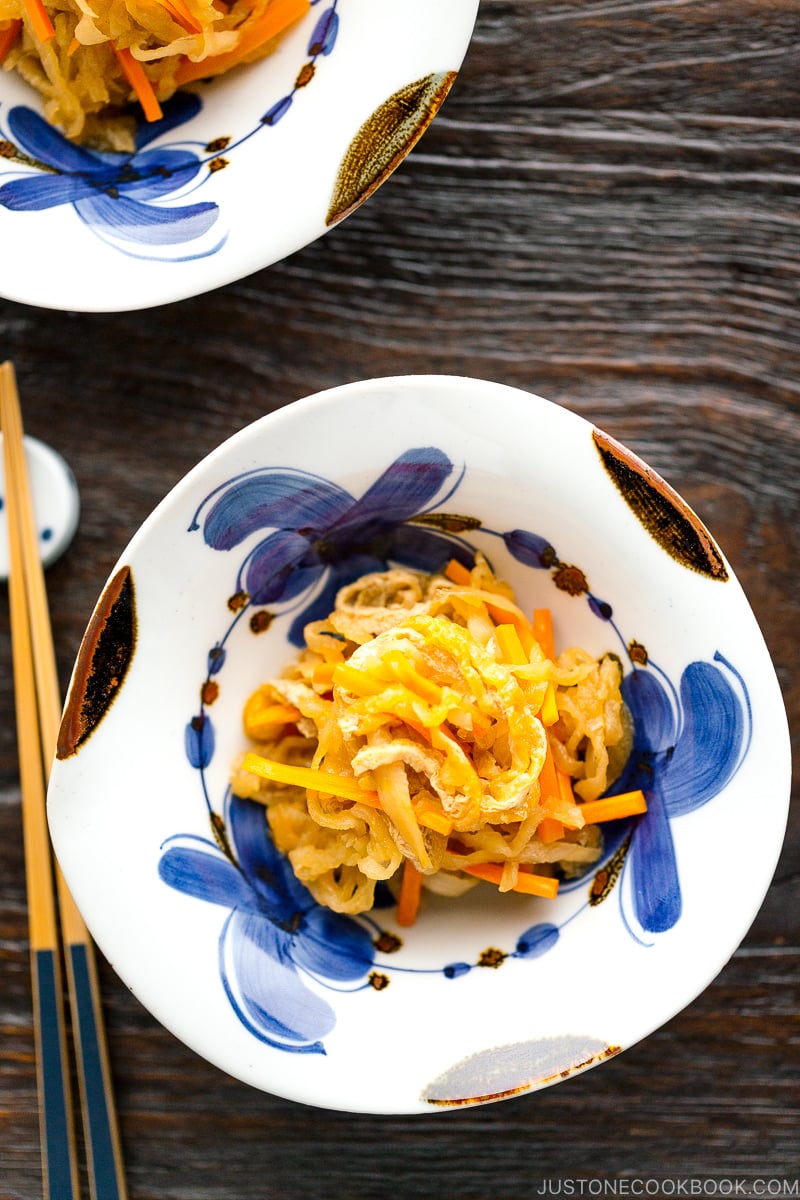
x,y
38,712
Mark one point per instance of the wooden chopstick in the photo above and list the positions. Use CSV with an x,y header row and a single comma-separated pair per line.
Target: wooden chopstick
x,y
38,712
59,1158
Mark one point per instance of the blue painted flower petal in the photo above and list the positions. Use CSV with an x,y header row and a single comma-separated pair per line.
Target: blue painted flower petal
x,y
273,500
233,992
600,608
147,224
273,994
176,111
269,873
323,39
205,875
339,574
425,550
294,583
45,143
653,716
156,173
199,741
537,940
273,570
710,743
529,548
216,659
404,489
332,946
278,110
34,193
654,871
456,970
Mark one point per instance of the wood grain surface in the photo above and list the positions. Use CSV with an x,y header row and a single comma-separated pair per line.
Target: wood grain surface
x,y
606,212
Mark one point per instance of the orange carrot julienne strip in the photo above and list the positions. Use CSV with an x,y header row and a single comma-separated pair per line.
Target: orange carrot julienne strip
x,y
525,633
308,777
276,18
410,892
527,882
40,20
135,74
371,799
491,872
531,884
543,631
436,821
549,830
500,607
556,798
565,786
456,572
612,808
502,611
8,36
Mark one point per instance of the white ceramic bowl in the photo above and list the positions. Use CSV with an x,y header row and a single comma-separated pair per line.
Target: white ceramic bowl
x,y
491,995
239,174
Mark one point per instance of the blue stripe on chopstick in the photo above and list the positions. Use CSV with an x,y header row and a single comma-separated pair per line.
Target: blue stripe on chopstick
x,y
102,1149
56,1117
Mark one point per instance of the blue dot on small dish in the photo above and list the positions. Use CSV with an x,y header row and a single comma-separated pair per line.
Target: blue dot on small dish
x,y
55,501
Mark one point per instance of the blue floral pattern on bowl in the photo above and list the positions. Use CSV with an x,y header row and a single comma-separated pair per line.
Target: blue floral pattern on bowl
x,y
313,536
120,196
274,934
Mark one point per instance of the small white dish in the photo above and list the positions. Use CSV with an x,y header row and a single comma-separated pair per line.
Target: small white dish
x,y
56,502
240,173
491,995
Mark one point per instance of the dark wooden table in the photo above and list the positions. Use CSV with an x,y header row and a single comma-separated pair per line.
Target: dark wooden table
x,y
607,212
